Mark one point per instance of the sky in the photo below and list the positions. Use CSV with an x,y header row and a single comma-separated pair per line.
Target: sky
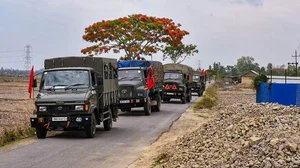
x,y
223,30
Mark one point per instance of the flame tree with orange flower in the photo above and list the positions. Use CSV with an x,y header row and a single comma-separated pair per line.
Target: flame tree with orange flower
x,y
137,35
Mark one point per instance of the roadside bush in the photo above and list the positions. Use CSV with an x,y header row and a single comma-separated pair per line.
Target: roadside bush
x,y
209,98
16,134
258,80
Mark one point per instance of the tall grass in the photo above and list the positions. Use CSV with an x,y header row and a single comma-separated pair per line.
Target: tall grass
x,y
11,135
209,98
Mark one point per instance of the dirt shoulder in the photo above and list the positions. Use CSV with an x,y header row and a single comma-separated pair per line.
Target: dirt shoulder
x,y
186,124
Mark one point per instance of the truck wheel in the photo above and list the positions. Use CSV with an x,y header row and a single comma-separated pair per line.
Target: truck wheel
x,y
189,98
166,100
183,99
157,107
90,130
107,124
41,132
147,107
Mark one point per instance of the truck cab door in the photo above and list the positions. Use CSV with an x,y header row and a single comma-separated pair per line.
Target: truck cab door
x,y
95,88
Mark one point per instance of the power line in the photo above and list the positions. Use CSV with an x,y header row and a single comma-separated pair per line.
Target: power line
x,y
10,56
11,62
7,51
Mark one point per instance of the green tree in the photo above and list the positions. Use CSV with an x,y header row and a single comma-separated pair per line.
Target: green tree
x,y
278,70
179,53
231,70
245,64
263,71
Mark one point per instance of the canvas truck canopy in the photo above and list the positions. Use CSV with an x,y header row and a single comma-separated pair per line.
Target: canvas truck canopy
x,y
106,67
180,67
156,66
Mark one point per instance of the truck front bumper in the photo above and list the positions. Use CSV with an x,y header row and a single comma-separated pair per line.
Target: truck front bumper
x,y
196,89
129,103
61,122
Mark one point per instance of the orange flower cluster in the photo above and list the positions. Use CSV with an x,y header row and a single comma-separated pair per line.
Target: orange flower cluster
x,y
129,33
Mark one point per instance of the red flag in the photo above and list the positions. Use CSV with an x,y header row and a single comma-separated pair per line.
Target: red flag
x,y
31,82
203,72
150,78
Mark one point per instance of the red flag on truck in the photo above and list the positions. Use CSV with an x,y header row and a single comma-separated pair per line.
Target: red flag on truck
x,y
31,82
203,72
150,78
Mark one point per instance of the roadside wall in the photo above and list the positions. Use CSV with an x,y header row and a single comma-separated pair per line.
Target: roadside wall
x,y
285,94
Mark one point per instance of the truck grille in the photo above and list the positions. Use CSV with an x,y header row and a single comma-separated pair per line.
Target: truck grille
x,y
125,91
194,84
64,109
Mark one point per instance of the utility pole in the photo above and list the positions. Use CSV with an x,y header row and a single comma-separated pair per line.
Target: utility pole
x,y
27,58
296,61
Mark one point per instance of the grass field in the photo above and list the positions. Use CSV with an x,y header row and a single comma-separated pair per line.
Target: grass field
x,y
15,109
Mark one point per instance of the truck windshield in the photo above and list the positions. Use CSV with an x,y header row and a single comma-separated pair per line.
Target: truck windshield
x,y
130,75
196,78
65,79
173,76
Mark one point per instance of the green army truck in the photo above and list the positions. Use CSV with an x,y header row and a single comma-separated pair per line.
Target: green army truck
x,y
198,85
76,93
140,85
177,82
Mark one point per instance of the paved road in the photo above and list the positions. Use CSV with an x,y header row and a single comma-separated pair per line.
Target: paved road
x,y
116,148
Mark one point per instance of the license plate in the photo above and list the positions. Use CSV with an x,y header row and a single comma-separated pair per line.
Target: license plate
x,y
59,118
168,93
124,101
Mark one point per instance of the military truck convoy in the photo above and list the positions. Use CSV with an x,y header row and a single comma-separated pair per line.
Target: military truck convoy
x,y
178,82
198,85
140,85
78,93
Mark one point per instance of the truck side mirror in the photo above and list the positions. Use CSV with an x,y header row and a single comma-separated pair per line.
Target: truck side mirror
x,y
34,85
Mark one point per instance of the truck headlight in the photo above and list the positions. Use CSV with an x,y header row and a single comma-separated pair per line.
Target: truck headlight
x,y
79,108
42,108
140,94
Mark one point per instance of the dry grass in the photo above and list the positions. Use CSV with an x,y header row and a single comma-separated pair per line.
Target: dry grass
x,y
209,98
15,111
245,85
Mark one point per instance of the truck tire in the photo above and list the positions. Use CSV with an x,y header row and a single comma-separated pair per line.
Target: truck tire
x,y
157,107
166,100
41,132
107,124
188,99
147,107
90,130
183,99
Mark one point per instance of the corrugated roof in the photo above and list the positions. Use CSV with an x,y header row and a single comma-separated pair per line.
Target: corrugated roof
x,y
250,71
